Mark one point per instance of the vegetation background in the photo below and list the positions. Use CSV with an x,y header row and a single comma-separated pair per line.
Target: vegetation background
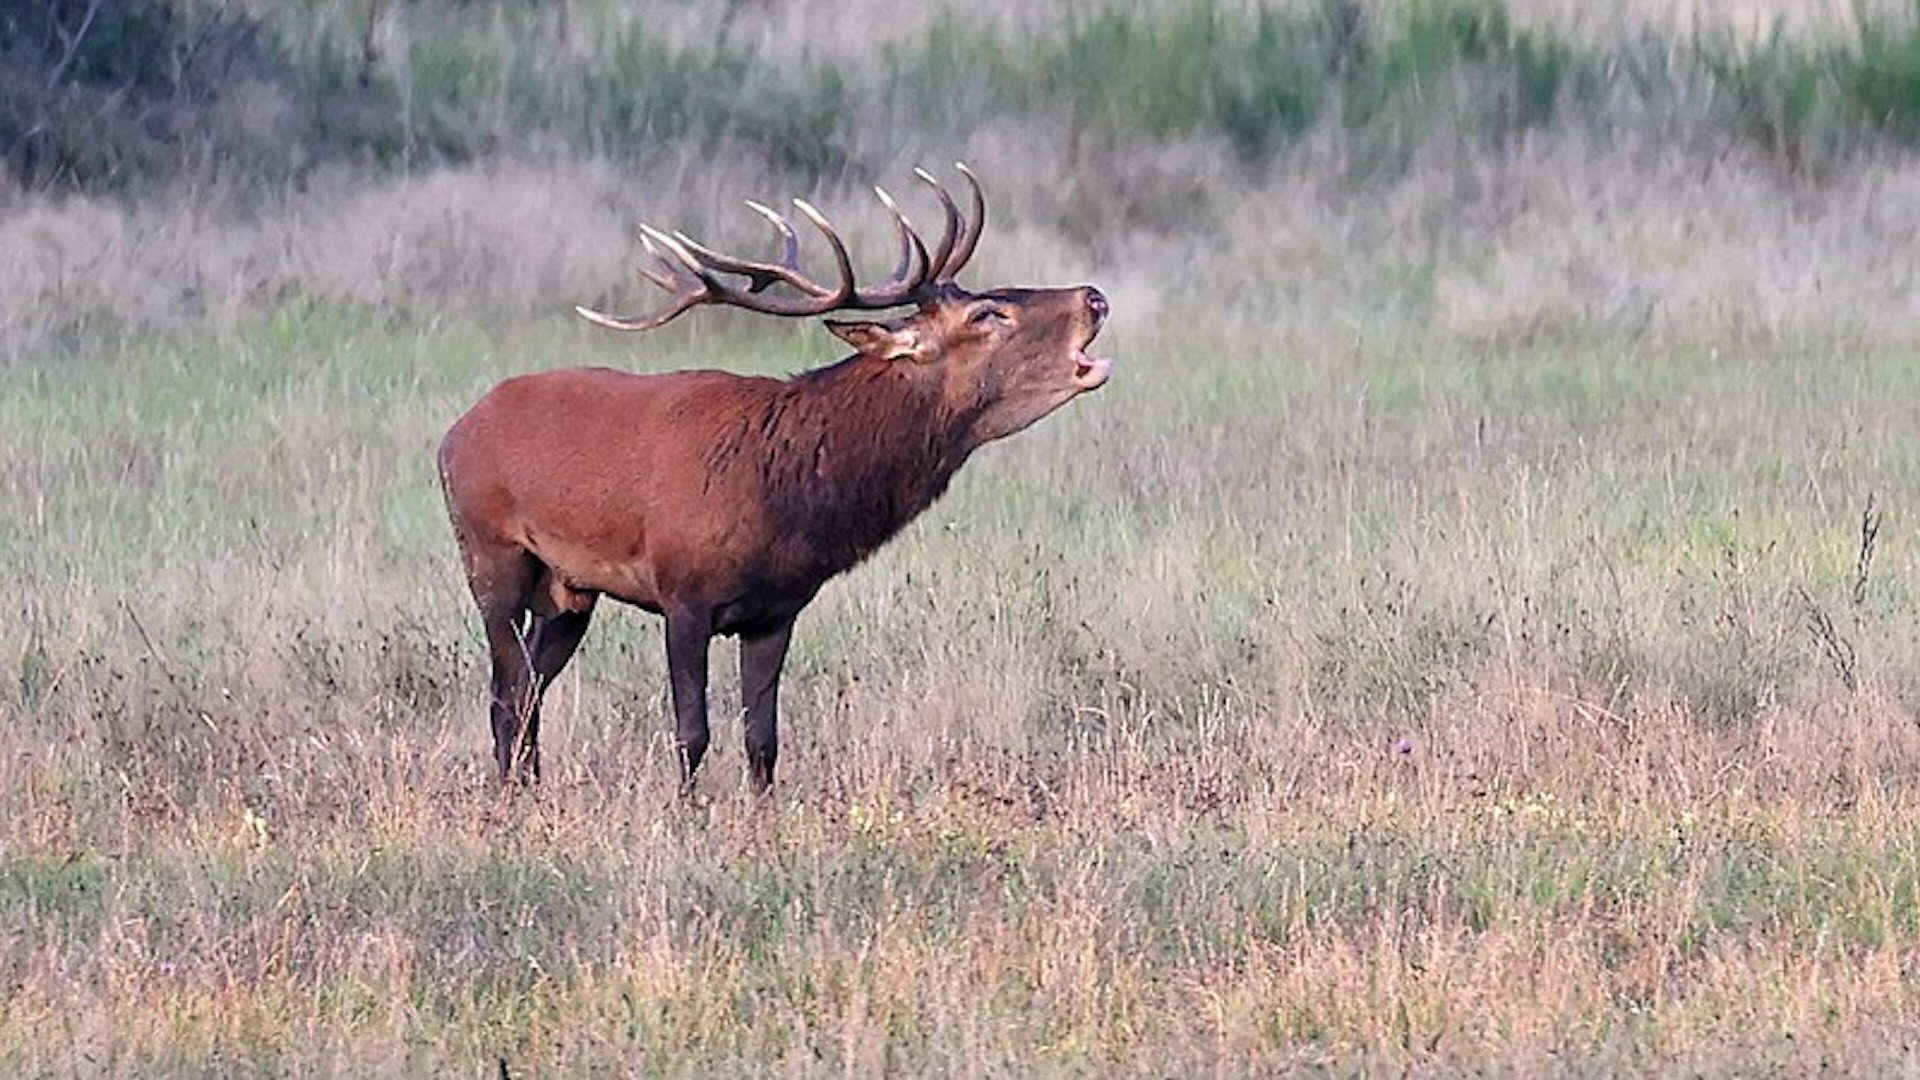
x,y
1474,632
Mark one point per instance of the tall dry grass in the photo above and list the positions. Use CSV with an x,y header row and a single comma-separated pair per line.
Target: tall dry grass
x,y
1556,236
1294,704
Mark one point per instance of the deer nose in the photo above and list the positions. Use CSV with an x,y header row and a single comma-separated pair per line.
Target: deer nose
x,y
1097,302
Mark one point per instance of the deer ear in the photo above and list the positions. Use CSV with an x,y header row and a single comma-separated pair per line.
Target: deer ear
x,y
887,340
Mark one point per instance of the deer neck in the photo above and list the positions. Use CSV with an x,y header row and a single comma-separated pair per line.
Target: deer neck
x,y
854,452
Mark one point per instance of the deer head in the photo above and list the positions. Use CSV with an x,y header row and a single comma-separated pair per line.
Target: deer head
x,y
1004,358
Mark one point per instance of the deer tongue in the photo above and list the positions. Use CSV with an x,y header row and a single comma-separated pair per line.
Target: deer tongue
x,y
1090,372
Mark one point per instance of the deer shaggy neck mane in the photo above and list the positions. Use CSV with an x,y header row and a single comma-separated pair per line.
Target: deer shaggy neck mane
x,y
849,454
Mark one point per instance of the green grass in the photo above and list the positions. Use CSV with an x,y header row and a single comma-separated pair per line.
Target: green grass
x,y
1093,769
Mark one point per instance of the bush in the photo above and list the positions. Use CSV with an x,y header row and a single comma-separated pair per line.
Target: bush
x,y
1817,105
99,94
1262,80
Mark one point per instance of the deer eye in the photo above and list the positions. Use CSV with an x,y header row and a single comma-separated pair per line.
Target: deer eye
x,y
985,315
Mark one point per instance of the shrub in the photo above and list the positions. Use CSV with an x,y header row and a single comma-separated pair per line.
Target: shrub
x,y
97,94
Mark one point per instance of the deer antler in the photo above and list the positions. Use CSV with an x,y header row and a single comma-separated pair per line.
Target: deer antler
x,y
690,272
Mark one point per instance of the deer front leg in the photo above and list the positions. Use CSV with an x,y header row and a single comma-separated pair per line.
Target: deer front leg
x,y
688,633
760,661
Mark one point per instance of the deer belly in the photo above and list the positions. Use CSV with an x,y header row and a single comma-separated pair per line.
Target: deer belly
x,y
573,576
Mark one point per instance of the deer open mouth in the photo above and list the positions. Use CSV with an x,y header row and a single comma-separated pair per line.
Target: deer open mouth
x,y
1091,372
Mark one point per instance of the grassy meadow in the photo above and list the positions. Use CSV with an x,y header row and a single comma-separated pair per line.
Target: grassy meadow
x,y
1474,632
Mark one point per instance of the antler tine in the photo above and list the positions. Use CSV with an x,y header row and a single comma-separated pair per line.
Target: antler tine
x,y
841,260
685,290
671,279
616,322
712,290
682,254
976,225
789,240
760,275
914,266
944,252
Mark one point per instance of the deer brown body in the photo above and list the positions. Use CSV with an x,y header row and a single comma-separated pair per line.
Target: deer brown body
x,y
725,502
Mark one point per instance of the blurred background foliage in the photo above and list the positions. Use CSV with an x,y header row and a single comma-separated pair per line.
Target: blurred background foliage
x,y
103,95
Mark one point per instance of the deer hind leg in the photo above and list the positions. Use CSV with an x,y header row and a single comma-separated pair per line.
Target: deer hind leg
x,y
501,577
554,639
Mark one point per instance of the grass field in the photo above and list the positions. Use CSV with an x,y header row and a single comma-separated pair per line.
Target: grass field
x,y
1474,632
1527,708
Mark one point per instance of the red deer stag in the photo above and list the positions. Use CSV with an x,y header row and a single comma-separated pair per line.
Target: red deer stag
x,y
724,502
